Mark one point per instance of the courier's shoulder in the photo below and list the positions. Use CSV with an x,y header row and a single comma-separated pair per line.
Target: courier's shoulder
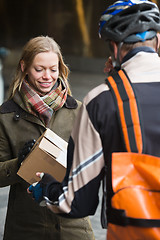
x,y
95,92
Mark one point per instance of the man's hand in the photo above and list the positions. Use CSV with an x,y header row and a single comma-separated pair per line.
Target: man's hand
x,y
108,65
38,189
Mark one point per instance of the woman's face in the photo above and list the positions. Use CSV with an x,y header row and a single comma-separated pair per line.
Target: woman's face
x,y
43,72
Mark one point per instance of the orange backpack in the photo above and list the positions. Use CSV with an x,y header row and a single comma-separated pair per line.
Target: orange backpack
x,y
133,212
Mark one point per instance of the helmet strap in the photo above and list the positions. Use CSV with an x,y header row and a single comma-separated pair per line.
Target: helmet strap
x,y
115,55
112,54
118,61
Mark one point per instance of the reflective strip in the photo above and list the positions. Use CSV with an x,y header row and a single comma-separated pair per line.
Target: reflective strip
x,y
134,111
128,111
121,112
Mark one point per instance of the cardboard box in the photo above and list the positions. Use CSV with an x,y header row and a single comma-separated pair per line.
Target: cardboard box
x,y
49,155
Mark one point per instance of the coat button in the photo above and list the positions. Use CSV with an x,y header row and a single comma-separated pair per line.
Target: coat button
x,y
16,117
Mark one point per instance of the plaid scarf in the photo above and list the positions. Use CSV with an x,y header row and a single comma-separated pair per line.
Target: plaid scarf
x,y
42,107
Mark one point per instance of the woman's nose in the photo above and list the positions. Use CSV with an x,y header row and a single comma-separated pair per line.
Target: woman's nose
x,y
46,74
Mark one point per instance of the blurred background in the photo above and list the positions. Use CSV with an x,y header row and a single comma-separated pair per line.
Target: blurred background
x,y
74,26
72,23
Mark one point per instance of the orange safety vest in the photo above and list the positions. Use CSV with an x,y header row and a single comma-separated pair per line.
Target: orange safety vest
x,y
134,209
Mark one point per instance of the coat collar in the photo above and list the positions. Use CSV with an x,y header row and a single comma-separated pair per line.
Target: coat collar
x,y
71,103
134,51
10,106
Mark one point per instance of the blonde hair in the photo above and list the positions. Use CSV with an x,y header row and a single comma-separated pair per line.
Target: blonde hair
x,y
31,49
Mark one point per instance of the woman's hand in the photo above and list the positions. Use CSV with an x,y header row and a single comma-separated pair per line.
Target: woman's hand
x,y
25,151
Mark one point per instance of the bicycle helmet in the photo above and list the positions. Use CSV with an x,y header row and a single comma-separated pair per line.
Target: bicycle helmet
x,y
130,21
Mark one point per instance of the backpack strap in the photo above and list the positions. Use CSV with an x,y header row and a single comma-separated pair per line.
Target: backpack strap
x,y
128,112
129,119
118,217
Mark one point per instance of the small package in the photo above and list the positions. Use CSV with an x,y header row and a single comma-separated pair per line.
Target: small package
x,y
49,155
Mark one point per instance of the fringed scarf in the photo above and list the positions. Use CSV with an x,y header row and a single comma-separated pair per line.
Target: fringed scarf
x,y
42,107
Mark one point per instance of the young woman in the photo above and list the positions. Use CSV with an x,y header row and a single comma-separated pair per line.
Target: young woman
x,y
40,97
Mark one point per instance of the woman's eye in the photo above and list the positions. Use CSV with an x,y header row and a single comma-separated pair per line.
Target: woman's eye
x,y
38,70
53,70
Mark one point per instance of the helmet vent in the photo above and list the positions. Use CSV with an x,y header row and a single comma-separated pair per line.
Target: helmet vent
x,y
122,20
144,19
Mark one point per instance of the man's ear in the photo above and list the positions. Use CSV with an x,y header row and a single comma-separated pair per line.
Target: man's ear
x,y
115,49
158,43
22,65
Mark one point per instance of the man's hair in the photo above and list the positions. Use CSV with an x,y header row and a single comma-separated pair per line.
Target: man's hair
x,y
148,43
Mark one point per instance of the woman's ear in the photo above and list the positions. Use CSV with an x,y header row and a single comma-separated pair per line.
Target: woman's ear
x,y
22,65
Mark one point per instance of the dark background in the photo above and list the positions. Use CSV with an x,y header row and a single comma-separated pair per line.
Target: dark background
x,y
72,23
21,20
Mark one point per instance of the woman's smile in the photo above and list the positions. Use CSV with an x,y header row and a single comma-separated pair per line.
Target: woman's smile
x,y
43,72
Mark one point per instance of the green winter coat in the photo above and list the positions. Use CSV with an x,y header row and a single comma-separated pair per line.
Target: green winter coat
x,y
26,220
